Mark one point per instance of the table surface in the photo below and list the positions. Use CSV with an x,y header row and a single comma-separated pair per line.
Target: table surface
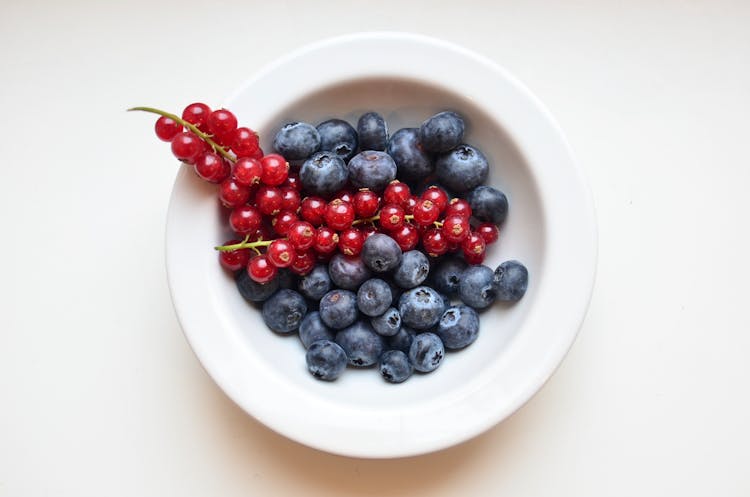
x,y
101,394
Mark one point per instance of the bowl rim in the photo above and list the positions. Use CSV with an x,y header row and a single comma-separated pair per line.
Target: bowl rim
x,y
393,438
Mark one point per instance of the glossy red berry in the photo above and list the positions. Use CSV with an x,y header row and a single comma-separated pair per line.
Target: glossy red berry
x,y
425,212
406,236
244,142
489,232
281,253
345,195
368,231
456,228
167,128
232,194
236,259
245,219
268,200
275,169
290,199
458,206
396,193
186,146
437,196
247,171
197,115
221,124
326,240
211,167
434,242
339,215
260,269
293,181
351,241
391,217
410,204
313,209
301,235
282,221
366,203
304,262
473,248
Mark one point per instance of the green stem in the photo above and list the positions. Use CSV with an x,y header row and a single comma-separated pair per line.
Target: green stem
x,y
243,245
204,136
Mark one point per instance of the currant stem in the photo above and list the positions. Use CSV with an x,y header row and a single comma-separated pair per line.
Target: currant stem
x,y
204,136
243,245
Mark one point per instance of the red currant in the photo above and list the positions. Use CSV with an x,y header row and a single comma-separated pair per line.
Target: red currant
x,y
410,204
434,242
293,181
282,221
489,232
247,171
290,198
391,217
281,253
326,240
437,196
221,124
301,235
406,236
456,228
365,203
244,142
245,219
236,259
458,206
351,241
197,115
313,209
211,167
232,194
166,128
344,195
425,212
268,200
339,214
396,193
186,146
473,247
368,231
260,269
275,169
303,263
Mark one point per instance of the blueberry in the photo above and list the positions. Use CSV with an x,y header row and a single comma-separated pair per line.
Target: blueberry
x,y
421,307
477,287
323,174
252,290
284,311
446,275
374,297
362,345
388,323
372,169
326,360
413,269
413,163
402,340
287,279
316,283
338,308
426,352
339,137
511,279
372,131
488,204
462,168
348,271
458,327
442,132
296,141
381,253
446,300
312,328
395,366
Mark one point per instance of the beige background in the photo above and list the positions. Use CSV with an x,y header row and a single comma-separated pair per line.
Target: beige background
x,y
99,391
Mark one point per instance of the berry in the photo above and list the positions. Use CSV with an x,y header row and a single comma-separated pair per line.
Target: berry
x,y
245,219
284,311
402,340
316,283
186,146
290,199
247,171
301,235
366,203
372,132
275,169
410,205
374,297
476,288
395,366
510,281
260,269
441,132
488,204
351,241
326,360
339,215
323,174
458,327
232,194
406,236
268,200
372,169
426,352
473,245
437,196
252,290
434,242
339,137
489,232
304,262
280,253
293,181
312,329
338,308
458,206
475,258
296,141
456,228
425,212
381,253
388,323
313,209
420,307
362,345
283,221
326,240
347,271
391,217
462,168
413,269
234,260
244,142
396,193
211,167
446,275
345,195
222,124
167,128
197,115
412,161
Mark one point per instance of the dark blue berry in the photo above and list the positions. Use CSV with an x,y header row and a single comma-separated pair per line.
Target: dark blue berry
x,y
421,308
297,141
488,204
402,340
511,279
395,366
362,345
339,137
326,360
477,287
458,327
412,161
287,279
323,174
338,308
316,283
381,253
413,269
372,169
312,328
462,168
372,131
442,132
388,323
446,275
426,352
348,271
374,297
284,310
252,290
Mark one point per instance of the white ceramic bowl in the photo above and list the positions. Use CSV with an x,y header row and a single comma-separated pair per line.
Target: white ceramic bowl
x,y
550,227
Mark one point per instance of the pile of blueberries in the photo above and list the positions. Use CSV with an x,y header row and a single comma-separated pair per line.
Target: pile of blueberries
x,y
385,307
